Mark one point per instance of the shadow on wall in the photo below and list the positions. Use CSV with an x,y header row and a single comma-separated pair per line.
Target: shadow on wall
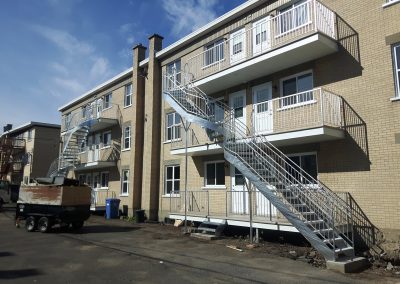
x,y
352,153
346,63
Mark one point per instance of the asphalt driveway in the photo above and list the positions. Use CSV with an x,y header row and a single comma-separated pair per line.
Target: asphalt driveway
x,y
121,252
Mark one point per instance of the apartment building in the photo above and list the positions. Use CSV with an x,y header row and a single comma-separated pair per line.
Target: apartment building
x,y
28,150
282,113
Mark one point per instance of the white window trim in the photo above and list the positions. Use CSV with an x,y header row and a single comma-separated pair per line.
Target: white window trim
x,y
390,3
396,72
305,154
165,194
291,77
215,186
130,138
124,194
173,125
104,146
101,180
104,102
126,94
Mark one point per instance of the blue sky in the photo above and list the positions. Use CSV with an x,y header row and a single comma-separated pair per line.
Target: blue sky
x,y
52,51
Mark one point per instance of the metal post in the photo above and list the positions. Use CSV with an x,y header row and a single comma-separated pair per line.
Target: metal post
x,y
186,126
249,185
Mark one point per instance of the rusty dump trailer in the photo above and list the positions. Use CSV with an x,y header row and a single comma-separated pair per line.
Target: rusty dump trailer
x,y
53,201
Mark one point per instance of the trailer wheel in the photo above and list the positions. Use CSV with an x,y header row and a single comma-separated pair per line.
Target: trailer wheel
x,y
30,224
77,225
44,225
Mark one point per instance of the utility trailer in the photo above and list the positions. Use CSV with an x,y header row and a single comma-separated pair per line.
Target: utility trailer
x,y
51,201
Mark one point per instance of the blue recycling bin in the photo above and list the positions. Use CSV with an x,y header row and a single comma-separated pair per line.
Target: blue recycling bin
x,y
112,208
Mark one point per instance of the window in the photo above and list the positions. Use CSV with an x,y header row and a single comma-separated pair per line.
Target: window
x,y
172,179
104,179
173,130
215,173
84,112
217,110
307,162
107,100
293,17
396,67
106,139
30,134
214,52
128,95
125,182
297,89
127,138
96,180
67,120
82,179
238,45
82,144
89,180
174,74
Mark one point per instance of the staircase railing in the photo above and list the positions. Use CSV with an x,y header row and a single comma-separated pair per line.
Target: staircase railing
x,y
269,162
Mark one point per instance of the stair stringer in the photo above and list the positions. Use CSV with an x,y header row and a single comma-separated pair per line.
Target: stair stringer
x,y
308,233
190,117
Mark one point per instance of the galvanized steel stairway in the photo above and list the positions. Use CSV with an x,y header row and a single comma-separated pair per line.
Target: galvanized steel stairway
x,y
72,141
321,216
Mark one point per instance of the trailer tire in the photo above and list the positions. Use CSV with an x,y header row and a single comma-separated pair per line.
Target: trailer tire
x,y
77,225
30,224
44,225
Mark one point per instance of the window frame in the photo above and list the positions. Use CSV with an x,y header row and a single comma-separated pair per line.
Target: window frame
x,y
173,127
107,103
390,3
128,95
30,136
103,145
107,185
173,73
301,154
125,182
297,75
125,138
396,70
173,180
206,185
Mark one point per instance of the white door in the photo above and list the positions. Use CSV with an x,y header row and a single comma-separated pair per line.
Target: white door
x,y
97,142
99,107
262,109
239,193
90,149
261,35
238,45
237,102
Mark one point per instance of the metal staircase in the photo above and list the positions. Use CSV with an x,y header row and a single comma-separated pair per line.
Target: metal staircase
x,y
321,216
10,150
72,141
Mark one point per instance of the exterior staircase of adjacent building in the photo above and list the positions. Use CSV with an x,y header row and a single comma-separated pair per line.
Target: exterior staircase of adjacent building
x,y
10,150
320,215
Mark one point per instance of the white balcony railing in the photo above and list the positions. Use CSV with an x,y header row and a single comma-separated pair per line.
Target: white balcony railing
x,y
95,110
229,204
286,27
99,197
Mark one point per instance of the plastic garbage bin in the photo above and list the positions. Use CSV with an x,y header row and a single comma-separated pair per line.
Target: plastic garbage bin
x,y
112,208
139,216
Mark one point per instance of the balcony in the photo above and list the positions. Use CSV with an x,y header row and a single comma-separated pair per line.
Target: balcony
x,y
307,117
98,157
234,207
301,34
96,116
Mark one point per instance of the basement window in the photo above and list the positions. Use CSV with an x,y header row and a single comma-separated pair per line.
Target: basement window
x,y
215,174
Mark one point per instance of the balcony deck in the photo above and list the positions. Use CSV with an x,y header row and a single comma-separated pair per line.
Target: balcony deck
x,y
98,157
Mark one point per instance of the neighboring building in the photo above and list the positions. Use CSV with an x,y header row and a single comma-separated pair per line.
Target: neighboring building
x,y
27,151
320,80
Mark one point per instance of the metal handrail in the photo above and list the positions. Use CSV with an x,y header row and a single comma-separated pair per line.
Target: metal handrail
x,y
319,198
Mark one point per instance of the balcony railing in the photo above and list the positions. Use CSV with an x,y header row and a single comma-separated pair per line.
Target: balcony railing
x,y
286,27
100,153
305,110
224,204
99,197
196,136
91,112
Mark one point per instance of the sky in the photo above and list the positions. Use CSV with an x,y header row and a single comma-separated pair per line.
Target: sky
x,y
52,51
